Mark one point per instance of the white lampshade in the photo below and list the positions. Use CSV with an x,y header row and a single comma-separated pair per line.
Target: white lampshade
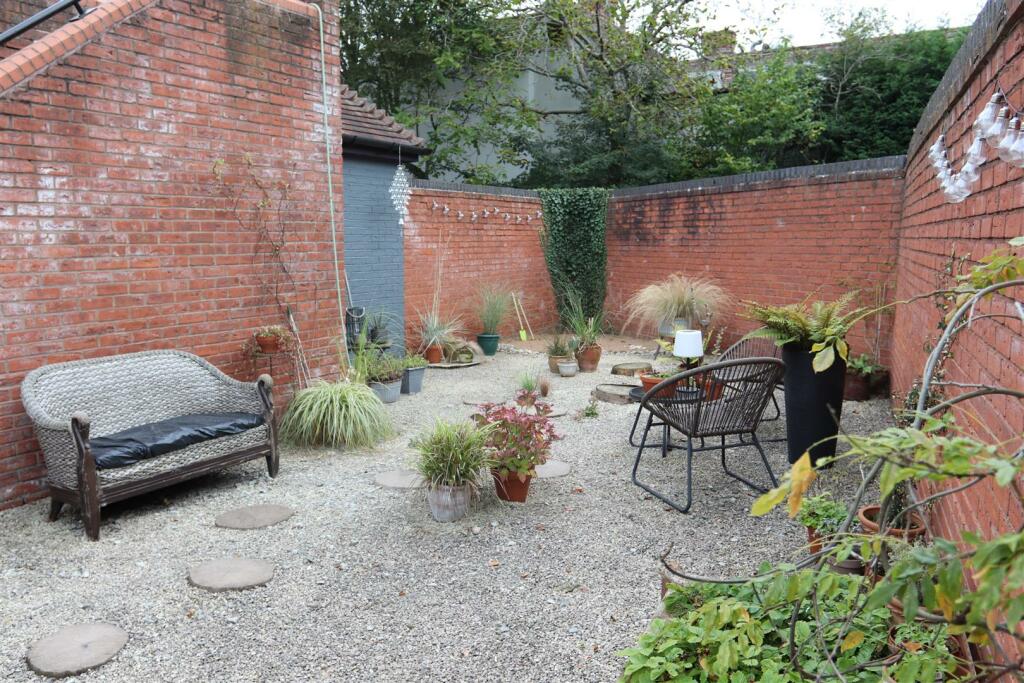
x,y
689,344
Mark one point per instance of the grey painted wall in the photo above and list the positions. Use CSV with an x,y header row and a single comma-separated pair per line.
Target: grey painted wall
x,y
373,242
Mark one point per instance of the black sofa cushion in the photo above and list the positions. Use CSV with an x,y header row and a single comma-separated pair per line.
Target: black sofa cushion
x,y
157,438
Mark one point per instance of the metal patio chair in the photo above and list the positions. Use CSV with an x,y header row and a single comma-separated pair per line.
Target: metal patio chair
x,y
756,348
725,399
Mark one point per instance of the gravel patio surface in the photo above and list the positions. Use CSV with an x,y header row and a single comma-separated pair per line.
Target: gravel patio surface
x,y
368,587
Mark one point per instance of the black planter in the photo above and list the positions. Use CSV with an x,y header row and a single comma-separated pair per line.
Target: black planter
x,y
814,404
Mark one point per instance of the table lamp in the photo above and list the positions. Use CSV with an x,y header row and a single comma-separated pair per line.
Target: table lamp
x,y
689,346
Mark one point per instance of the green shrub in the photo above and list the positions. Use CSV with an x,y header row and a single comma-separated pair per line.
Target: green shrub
x,y
822,514
339,414
493,308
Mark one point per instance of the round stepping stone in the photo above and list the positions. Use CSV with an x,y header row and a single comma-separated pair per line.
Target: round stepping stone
x,y
552,469
631,369
399,479
253,517
614,393
75,649
232,574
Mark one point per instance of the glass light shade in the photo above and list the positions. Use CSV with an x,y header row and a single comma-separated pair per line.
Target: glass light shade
x,y
936,150
1017,151
997,130
987,116
1009,138
970,172
689,344
976,152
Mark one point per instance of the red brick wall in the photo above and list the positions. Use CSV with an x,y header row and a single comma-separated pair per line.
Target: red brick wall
x,y
935,235
762,239
503,248
114,234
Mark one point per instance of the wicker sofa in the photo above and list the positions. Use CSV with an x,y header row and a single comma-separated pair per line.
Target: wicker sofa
x,y
76,406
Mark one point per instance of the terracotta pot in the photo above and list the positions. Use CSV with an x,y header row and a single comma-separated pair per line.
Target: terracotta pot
x,y
434,354
814,540
588,358
851,565
958,647
649,382
869,513
712,387
553,362
269,344
510,487
856,388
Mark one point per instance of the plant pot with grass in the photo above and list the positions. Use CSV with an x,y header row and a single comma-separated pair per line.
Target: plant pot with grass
x,y
558,352
676,303
272,339
345,414
822,516
436,333
451,457
586,329
412,375
382,372
649,381
520,440
492,309
814,349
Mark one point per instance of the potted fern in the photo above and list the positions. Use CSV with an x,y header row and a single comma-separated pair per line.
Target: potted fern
x,y
451,457
814,349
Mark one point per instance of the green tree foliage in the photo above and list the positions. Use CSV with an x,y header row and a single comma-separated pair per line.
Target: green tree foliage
x,y
875,87
408,55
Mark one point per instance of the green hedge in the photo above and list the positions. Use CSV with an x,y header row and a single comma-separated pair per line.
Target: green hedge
x,y
574,244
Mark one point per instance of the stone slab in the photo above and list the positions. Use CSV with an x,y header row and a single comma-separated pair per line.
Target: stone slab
x,y
399,479
552,469
631,369
253,517
614,393
76,648
230,574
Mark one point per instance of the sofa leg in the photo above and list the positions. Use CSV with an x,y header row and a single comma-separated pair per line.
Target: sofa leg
x,y
55,506
273,463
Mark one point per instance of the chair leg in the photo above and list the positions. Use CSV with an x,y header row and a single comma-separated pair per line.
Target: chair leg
x,y
778,411
636,422
756,444
55,507
91,514
664,452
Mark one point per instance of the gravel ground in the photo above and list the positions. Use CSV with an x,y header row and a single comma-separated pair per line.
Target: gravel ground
x,y
369,587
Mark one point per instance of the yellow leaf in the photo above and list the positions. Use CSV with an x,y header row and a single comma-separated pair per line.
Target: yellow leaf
x,y
767,502
823,359
843,348
852,640
911,646
800,478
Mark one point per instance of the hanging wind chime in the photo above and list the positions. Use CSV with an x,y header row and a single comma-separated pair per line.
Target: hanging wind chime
x,y
400,190
995,128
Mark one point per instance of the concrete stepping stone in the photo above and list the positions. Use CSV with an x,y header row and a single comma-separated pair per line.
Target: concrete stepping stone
x,y
233,574
75,649
253,517
399,479
552,469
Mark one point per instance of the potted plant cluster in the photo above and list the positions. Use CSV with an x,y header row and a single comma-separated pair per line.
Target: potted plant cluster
x,y
451,457
814,349
492,309
520,440
822,516
677,303
864,378
272,339
436,334
558,352
415,366
381,371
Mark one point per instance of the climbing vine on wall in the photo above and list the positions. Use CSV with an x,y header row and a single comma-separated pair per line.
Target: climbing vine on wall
x,y
574,244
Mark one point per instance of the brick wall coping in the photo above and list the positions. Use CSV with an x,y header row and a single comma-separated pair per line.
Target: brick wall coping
x,y
989,28
465,188
20,67
861,169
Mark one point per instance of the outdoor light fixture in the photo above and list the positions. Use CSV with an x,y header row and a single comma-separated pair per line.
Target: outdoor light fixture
x,y
689,346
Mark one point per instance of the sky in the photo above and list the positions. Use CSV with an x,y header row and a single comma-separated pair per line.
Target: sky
x,y
805,22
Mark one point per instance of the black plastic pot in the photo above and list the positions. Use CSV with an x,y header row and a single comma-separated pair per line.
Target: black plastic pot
x,y
814,404
488,342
